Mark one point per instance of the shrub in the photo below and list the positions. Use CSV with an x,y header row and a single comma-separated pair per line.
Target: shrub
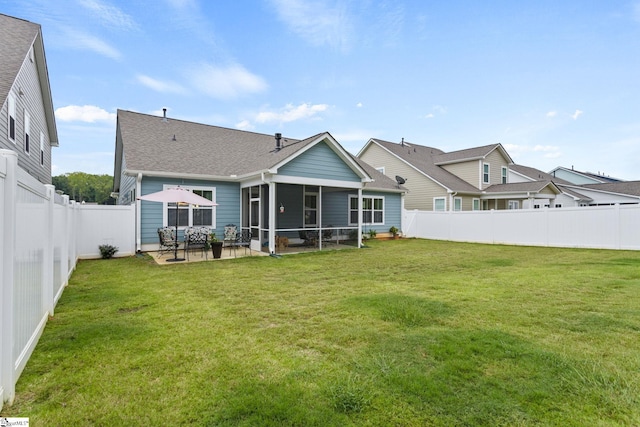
x,y
107,251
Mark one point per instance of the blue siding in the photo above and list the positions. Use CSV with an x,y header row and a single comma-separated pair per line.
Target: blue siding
x,y
227,211
319,161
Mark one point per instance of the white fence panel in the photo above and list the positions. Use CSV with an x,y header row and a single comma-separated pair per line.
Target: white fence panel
x,y
105,225
604,227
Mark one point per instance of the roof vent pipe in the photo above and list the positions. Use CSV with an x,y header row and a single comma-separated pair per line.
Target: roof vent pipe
x,y
402,142
164,114
278,141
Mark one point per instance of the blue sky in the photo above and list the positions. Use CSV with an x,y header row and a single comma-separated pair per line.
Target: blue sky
x,y
556,82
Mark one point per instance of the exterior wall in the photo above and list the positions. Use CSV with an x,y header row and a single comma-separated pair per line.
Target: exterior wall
x,y
319,161
151,213
496,161
573,177
470,172
32,101
422,190
127,187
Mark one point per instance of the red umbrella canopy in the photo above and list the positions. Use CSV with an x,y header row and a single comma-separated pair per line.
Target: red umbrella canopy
x,y
177,195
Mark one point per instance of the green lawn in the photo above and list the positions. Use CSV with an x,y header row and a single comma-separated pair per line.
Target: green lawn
x,y
405,332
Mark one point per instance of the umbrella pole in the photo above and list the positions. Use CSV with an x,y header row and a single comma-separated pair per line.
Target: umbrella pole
x,y
175,244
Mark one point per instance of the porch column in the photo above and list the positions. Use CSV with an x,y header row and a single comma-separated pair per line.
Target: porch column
x,y
320,217
272,217
359,217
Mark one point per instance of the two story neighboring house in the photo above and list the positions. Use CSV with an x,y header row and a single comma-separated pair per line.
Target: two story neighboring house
x,y
471,179
27,120
269,185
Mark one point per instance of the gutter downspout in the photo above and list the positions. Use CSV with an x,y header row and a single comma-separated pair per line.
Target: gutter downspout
x,y
138,213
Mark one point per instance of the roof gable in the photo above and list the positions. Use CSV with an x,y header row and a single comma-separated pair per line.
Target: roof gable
x,y
475,153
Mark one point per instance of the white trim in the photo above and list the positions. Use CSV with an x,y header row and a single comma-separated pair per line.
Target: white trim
x,y
27,133
444,199
361,209
455,200
290,179
488,165
11,113
504,175
190,208
473,204
515,203
41,149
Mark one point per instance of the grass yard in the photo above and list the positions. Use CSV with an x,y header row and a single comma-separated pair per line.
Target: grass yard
x,y
403,333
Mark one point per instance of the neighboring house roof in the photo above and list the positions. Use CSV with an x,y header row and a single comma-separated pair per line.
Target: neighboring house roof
x,y
421,157
536,174
475,153
631,188
589,175
159,146
520,187
16,38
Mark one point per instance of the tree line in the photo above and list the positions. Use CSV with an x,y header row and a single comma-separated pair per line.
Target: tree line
x,y
84,187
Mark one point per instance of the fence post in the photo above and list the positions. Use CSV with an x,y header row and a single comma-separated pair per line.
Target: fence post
x,y
64,246
7,232
47,273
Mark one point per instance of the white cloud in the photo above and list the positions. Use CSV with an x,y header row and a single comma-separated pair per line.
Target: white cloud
x,y
550,151
291,113
83,41
110,15
429,116
84,113
160,86
552,114
317,22
577,114
360,136
359,104
228,82
244,125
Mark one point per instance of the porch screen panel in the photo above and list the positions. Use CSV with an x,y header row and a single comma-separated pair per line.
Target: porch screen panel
x,y
353,210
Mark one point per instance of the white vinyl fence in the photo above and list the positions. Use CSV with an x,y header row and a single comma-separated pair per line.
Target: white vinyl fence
x,y
603,227
42,235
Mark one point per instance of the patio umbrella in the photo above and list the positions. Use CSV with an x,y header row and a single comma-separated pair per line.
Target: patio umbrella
x,y
179,196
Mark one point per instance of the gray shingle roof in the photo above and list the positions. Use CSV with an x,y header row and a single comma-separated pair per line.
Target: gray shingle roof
x,y
519,187
625,187
536,174
421,157
16,37
207,151
467,154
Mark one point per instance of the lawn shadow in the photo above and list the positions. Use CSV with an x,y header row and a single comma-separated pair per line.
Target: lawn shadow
x,y
405,310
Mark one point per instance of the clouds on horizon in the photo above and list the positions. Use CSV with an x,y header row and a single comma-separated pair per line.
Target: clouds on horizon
x,y
227,82
84,113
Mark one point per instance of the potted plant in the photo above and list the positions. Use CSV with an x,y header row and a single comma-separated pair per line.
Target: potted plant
x,y
394,231
372,233
216,245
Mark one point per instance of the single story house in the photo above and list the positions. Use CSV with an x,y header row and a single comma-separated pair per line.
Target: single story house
x,y
268,184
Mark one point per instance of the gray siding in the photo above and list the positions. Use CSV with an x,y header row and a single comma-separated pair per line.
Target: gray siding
x,y
227,211
33,102
496,161
469,171
319,161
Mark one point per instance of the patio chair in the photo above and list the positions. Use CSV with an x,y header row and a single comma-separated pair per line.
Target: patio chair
x,y
230,238
168,241
327,235
195,238
243,239
309,238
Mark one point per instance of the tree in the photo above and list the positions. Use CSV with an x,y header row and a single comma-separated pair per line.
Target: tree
x,y
84,187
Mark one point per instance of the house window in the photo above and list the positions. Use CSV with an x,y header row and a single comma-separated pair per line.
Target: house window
x,y
41,149
485,205
12,118
504,174
558,205
27,131
476,204
192,215
439,204
372,210
310,209
514,204
536,206
457,203
485,173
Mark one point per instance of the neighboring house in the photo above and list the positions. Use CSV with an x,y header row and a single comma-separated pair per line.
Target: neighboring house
x,y
27,121
271,185
579,178
588,194
472,179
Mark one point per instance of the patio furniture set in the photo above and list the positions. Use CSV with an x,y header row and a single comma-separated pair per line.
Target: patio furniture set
x,y
200,239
